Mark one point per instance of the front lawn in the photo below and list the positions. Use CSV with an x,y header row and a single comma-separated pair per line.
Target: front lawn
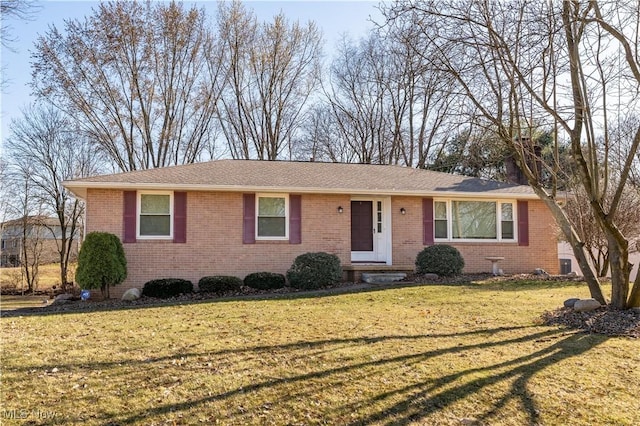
x,y
429,355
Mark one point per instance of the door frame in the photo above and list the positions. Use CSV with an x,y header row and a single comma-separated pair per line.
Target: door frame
x,y
382,241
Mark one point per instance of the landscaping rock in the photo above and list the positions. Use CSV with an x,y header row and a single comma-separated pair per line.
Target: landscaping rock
x,y
132,294
572,274
63,298
586,305
570,302
430,277
540,271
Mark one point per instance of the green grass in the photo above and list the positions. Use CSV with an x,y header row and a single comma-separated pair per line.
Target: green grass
x,y
428,355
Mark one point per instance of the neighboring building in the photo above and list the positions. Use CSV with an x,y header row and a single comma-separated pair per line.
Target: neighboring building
x,y
235,217
41,234
568,262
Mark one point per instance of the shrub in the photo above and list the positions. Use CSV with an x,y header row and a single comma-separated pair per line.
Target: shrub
x,y
264,280
440,259
101,262
219,284
314,270
164,288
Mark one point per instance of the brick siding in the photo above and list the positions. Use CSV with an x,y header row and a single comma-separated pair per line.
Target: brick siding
x,y
542,251
214,238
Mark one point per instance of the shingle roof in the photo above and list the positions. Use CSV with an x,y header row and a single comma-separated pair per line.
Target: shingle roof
x,y
302,177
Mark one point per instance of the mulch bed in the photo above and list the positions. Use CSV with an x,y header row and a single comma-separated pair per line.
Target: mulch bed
x,y
77,305
605,320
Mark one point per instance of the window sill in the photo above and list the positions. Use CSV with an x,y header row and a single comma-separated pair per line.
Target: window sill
x,y
140,239
272,241
481,242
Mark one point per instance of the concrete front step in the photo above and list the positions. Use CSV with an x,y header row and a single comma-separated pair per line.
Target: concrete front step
x,y
382,277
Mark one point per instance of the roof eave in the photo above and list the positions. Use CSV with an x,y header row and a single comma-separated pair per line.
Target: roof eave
x,y
80,190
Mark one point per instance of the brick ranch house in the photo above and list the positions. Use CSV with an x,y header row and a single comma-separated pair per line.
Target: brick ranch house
x,y
235,217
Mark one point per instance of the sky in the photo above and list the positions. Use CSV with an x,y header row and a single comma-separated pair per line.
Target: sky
x,y
336,18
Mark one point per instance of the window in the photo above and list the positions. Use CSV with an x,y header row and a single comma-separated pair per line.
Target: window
x,y
506,223
271,219
474,220
154,220
440,218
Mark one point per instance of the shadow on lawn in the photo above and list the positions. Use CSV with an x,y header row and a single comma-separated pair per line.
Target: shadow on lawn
x,y
403,404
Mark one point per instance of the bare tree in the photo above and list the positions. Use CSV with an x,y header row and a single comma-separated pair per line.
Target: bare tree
x,y
46,144
513,62
4,188
14,9
321,139
24,231
389,106
580,214
422,102
24,10
357,100
272,69
139,79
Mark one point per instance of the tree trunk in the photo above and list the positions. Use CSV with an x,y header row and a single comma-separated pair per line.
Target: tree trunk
x,y
576,245
619,262
634,297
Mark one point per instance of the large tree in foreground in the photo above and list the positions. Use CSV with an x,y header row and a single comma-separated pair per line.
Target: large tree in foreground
x,y
139,77
572,66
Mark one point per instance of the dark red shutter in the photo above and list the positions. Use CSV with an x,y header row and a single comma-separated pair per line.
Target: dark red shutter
x,y
129,217
179,217
427,221
295,219
249,218
523,223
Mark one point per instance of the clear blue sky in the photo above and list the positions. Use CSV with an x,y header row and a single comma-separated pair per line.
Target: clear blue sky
x,y
335,18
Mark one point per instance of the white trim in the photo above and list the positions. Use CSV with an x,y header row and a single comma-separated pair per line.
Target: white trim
x,y
499,239
383,241
139,195
80,190
287,214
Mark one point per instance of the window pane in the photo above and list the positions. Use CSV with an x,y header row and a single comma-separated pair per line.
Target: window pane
x,y
507,230
441,229
154,204
473,219
155,225
272,207
271,227
440,210
507,211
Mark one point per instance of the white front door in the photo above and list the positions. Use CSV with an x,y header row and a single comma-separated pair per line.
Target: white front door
x,y
371,230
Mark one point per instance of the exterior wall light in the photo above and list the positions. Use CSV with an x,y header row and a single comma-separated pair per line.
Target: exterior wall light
x,y
403,210
340,209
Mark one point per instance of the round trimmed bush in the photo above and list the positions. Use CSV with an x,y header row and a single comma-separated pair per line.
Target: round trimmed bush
x,y
440,259
165,288
219,284
314,270
264,280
